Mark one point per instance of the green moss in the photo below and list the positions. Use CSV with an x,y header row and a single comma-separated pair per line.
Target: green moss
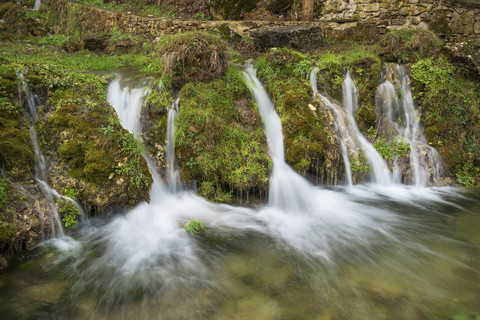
x,y
449,103
408,45
193,56
213,146
4,186
308,138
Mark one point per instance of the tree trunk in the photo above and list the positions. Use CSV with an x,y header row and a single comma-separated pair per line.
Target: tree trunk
x,y
307,10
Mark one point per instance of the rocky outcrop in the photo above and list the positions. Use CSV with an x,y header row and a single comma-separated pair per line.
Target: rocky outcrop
x,y
466,54
302,38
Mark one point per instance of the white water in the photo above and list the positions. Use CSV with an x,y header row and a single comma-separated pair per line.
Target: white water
x,y
128,104
401,112
174,179
352,141
343,134
148,253
380,173
37,5
40,165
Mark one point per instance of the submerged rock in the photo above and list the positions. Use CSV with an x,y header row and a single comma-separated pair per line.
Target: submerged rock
x,y
300,37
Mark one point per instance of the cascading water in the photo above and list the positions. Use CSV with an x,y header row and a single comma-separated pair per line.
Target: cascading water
x,y
174,181
352,141
331,252
40,165
380,174
37,5
401,112
341,128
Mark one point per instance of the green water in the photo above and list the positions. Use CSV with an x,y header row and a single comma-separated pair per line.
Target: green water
x,y
429,270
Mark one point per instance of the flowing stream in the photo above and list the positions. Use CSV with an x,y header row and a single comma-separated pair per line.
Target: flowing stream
x,y
363,252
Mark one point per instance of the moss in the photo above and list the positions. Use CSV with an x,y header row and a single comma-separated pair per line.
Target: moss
x,y
308,137
213,146
408,45
449,105
16,154
230,9
193,56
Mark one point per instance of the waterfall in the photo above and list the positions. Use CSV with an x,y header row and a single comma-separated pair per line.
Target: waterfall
x,y
174,180
401,112
380,174
352,141
40,165
287,188
127,103
343,133
37,5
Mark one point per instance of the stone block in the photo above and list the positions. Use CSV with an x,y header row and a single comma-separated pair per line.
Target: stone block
x,y
300,37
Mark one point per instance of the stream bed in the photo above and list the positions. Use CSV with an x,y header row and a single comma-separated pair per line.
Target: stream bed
x,y
418,257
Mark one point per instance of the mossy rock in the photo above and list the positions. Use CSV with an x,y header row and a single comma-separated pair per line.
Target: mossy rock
x,y
213,146
408,45
194,56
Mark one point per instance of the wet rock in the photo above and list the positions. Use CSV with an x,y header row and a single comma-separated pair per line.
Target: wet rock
x,y
301,37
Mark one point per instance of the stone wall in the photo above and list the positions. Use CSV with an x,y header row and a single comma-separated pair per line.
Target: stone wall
x,y
457,20
339,19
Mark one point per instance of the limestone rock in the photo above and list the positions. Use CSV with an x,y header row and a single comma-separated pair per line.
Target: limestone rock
x,y
299,37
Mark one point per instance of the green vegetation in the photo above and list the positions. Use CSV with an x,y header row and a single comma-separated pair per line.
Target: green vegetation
x,y
389,149
4,185
408,45
449,103
195,227
219,141
193,56
68,210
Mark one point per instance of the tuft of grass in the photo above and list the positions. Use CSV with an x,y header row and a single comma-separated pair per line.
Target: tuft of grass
x,y
194,227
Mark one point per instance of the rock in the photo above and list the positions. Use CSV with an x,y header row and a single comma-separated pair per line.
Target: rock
x,y
277,6
94,42
301,37
466,54
3,263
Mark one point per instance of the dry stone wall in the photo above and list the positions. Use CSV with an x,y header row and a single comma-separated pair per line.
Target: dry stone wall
x,y
457,20
339,19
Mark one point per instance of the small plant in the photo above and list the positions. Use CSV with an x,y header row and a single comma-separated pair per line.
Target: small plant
x,y
194,227
360,164
68,210
24,197
3,193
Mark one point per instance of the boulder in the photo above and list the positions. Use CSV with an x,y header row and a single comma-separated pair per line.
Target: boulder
x,y
300,37
466,54
94,42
